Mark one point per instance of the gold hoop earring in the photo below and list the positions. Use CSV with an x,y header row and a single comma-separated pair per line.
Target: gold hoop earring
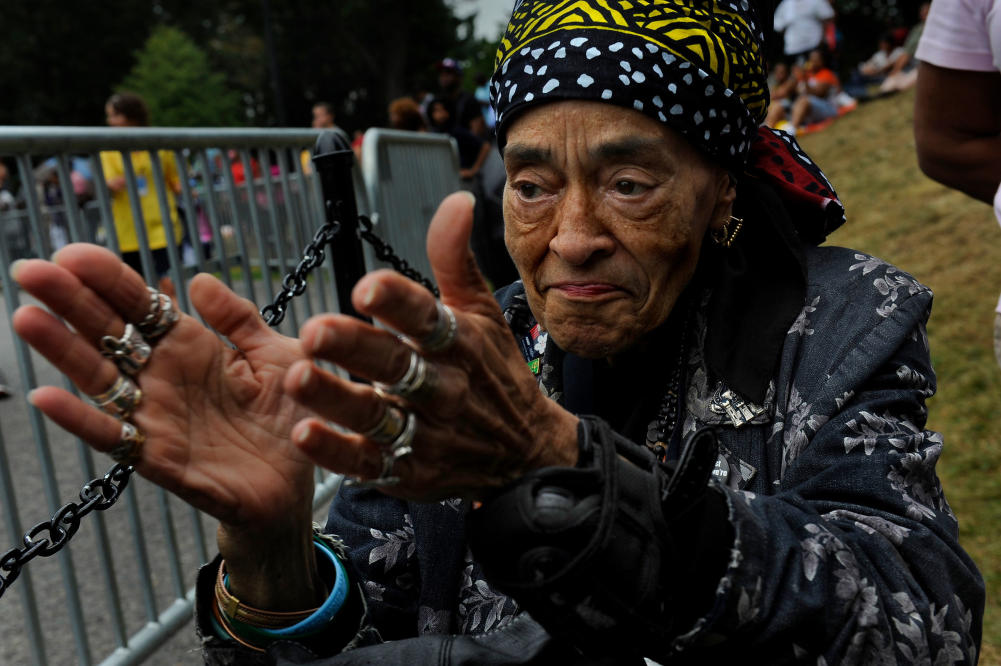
x,y
724,236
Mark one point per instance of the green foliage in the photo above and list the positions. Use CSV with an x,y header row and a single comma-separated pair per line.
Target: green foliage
x,y
59,60
175,78
478,60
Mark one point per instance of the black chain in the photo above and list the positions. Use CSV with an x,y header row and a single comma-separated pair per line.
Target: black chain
x,y
97,494
295,282
101,494
384,252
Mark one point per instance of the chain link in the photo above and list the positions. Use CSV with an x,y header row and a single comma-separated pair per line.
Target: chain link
x,y
48,537
384,252
294,283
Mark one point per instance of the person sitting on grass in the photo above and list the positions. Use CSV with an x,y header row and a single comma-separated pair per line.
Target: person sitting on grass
x,y
819,97
874,70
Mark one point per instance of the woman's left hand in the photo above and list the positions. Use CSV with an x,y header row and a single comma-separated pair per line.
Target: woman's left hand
x,y
484,421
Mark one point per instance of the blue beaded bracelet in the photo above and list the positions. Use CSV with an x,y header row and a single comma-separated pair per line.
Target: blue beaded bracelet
x,y
325,614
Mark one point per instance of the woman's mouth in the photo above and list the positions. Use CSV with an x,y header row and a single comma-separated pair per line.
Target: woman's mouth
x,y
585,289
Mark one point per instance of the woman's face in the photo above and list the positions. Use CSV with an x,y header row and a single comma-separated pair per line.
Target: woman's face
x,y
114,118
439,114
605,212
815,60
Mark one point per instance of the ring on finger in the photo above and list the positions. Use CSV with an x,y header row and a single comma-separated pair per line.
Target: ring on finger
x,y
419,381
130,441
390,425
121,399
161,317
400,447
443,335
129,352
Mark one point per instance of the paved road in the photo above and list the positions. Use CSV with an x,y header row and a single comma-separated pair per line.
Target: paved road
x,y
46,577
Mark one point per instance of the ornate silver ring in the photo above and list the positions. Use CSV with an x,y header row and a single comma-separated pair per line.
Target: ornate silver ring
x,y
121,399
129,352
162,316
130,441
445,330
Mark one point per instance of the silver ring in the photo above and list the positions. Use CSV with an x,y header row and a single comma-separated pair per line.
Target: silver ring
x,y
129,352
162,316
419,381
399,448
130,441
390,426
443,335
121,399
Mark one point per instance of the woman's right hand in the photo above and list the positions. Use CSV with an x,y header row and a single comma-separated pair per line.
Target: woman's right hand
x,y
216,419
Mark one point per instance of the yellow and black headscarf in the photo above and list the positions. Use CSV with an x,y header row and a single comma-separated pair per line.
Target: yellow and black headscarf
x,y
697,66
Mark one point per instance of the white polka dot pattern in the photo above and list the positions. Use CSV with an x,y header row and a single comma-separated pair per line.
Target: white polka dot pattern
x,y
678,62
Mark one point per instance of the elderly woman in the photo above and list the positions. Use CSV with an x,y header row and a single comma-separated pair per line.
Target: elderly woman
x,y
726,461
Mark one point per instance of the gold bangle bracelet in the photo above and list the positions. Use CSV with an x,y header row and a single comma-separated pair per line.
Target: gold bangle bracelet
x,y
231,607
224,625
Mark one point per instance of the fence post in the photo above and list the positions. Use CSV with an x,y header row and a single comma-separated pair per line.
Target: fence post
x,y
334,160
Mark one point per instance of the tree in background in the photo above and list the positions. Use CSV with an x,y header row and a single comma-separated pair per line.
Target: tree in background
x,y
60,61
174,77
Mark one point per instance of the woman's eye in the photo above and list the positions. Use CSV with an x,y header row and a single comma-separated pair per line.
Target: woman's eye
x,y
529,190
629,187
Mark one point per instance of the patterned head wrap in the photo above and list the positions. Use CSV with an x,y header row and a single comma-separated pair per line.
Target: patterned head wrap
x,y
697,66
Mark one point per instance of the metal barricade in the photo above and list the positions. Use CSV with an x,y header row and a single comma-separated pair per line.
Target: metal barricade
x,y
127,579
406,176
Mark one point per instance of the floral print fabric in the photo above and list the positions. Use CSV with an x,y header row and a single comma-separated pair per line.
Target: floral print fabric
x,y
845,549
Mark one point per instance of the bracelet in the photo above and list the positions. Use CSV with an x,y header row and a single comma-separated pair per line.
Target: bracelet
x,y
234,609
250,623
224,629
325,614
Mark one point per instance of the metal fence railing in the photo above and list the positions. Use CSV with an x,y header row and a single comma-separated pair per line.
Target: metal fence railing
x,y
248,202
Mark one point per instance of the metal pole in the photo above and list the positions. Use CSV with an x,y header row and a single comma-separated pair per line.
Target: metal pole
x,y
334,160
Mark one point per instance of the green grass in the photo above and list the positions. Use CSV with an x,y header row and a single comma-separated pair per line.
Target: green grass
x,y
953,244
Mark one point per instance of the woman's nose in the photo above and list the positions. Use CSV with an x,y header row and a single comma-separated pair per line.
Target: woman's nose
x,y
581,236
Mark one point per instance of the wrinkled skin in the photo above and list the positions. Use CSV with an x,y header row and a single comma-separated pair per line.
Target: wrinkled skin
x,y
606,211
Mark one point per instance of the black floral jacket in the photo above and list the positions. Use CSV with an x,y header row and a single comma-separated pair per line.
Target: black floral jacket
x,y
845,549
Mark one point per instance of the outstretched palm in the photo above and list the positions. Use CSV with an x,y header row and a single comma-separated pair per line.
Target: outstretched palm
x,y
216,420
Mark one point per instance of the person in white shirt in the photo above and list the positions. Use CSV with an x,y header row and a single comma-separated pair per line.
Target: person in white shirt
x,y
801,23
957,109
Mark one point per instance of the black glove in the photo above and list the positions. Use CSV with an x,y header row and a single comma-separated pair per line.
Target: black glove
x,y
606,555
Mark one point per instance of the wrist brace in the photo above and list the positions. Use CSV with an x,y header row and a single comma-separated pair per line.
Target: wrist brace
x,y
591,551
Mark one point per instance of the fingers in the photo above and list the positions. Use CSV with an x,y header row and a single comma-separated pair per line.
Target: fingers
x,y
232,316
346,453
397,302
103,272
459,279
68,352
68,297
98,429
353,405
360,348
408,308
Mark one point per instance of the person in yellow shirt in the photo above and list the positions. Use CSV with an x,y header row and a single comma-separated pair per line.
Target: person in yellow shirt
x,y
130,110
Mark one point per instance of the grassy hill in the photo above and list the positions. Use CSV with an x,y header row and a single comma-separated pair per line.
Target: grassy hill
x,y
953,244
